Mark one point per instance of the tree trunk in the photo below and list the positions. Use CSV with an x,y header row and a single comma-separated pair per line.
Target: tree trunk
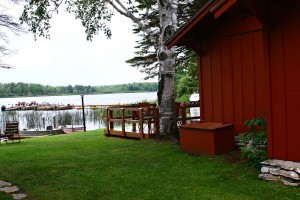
x,y
166,58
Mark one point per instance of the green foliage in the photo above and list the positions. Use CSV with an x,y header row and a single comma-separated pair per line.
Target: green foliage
x,y
130,87
145,59
94,16
148,49
186,80
92,166
33,89
256,141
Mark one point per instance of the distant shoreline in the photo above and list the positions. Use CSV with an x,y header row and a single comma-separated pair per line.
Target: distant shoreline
x,y
11,90
76,94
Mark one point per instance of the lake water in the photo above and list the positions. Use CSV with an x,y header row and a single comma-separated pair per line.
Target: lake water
x,y
94,118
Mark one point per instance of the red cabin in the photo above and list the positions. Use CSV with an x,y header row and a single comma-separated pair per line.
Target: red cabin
x,y
249,64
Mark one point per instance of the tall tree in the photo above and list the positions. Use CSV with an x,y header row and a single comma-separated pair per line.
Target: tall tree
x,y
145,59
7,22
95,15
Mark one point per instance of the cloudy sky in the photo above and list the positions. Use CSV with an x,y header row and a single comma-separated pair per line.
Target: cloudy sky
x,y
67,58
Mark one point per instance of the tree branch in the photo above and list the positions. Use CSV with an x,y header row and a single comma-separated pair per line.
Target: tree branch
x,y
128,14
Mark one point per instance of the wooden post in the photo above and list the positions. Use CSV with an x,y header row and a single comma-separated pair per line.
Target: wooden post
x,y
54,121
123,122
110,116
107,121
141,123
133,124
156,124
183,113
44,124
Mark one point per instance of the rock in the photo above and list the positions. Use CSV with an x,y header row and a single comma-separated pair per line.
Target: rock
x,y
274,170
268,162
265,169
4,184
286,171
9,190
290,182
287,165
269,177
289,174
19,196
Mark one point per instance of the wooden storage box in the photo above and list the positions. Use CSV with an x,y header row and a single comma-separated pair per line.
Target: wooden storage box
x,y
207,138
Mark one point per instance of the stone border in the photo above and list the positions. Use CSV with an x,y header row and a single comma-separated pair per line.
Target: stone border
x,y
287,172
8,188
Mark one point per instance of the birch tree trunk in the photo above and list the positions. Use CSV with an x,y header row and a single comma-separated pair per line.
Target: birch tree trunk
x,y
166,59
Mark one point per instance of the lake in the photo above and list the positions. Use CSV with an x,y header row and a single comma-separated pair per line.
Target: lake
x,y
94,118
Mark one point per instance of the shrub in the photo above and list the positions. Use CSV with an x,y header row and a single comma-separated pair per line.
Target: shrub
x,y
255,139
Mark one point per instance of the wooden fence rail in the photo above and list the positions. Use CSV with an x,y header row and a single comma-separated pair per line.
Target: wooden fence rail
x,y
142,120
134,122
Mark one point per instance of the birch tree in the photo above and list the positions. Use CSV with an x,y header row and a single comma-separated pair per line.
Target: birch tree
x,y
95,16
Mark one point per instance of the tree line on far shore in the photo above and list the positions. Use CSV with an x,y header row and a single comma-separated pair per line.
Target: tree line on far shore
x,y
33,89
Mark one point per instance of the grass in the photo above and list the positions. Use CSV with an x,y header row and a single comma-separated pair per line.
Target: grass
x,y
92,166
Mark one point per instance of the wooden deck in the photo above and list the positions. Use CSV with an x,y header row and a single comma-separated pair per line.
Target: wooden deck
x,y
139,121
127,120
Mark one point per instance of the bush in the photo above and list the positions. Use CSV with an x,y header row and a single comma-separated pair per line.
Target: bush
x,y
256,141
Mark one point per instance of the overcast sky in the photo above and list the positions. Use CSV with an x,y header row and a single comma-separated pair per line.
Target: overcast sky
x,y
68,59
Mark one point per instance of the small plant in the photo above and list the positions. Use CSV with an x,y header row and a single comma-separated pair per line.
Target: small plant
x,y
255,140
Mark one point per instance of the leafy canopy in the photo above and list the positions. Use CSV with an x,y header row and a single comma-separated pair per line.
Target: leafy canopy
x,y
94,15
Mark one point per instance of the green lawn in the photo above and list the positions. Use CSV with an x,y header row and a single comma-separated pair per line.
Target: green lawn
x,y
92,166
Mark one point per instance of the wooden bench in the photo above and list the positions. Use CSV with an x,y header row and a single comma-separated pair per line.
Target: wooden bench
x,y
207,138
11,132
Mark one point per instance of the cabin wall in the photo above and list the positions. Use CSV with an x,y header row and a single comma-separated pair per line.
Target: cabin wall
x,y
232,76
284,66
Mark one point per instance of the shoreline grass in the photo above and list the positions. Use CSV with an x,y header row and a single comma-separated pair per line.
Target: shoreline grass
x,y
92,166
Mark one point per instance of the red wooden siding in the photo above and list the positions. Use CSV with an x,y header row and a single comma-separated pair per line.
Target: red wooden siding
x,y
227,81
232,75
246,69
284,43
206,92
237,86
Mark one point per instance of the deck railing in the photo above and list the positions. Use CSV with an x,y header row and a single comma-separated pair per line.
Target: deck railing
x,y
184,115
135,122
142,120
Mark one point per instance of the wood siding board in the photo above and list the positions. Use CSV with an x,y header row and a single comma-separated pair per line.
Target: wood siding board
x,y
200,87
226,80
257,10
291,59
248,76
237,83
260,89
206,86
232,26
216,81
268,93
223,8
277,93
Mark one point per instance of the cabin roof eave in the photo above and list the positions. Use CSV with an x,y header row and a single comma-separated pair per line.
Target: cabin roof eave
x,y
215,7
